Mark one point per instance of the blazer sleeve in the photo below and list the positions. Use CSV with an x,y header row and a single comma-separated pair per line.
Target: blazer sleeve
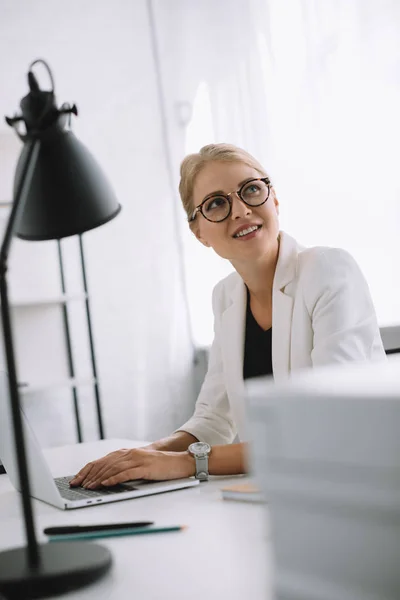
x,y
343,317
212,421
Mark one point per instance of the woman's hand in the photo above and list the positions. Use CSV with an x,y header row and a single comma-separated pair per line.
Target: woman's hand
x,y
137,463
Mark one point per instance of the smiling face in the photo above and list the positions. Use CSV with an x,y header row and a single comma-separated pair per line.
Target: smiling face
x,y
249,232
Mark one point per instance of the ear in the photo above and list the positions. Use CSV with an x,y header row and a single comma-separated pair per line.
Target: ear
x,y
202,240
195,230
276,203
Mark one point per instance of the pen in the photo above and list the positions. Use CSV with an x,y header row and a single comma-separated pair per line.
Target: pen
x,y
91,535
69,529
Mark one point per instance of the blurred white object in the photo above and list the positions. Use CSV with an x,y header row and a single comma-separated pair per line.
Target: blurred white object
x,y
326,449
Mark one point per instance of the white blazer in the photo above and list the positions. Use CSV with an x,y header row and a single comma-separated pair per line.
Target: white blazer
x,y
322,313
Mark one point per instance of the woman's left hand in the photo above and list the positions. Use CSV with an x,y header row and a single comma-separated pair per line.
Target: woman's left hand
x,y
136,463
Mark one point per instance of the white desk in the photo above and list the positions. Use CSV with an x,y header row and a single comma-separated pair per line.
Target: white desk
x,y
224,553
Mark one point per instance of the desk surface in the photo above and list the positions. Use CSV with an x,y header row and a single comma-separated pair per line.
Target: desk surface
x,y
224,553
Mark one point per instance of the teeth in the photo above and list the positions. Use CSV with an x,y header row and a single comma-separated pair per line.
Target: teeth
x,y
246,231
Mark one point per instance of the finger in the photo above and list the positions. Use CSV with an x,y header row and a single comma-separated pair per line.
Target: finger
x,y
112,470
119,457
93,473
133,473
83,476
114,465
83,473
103,463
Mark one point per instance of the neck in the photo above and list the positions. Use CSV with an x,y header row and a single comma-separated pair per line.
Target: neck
x,y
258,275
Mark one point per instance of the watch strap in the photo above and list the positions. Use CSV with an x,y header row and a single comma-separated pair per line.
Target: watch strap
x,y
201,467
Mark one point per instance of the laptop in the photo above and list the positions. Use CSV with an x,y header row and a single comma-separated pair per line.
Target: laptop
x,y
56,491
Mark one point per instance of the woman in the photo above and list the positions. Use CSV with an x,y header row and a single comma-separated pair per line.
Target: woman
x,y
285,308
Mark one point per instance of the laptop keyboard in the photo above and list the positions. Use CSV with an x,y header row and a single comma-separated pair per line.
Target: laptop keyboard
x,y
80,493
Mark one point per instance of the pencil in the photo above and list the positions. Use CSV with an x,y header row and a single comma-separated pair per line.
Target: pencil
x,y
91,535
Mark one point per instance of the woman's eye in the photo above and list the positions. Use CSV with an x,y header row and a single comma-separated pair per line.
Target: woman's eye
x,y
216,202
252,189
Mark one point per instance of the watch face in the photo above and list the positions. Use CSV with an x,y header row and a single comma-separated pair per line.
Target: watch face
x,y
200,448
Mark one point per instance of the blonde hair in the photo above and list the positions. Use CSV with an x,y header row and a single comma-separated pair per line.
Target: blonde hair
x,y
194,163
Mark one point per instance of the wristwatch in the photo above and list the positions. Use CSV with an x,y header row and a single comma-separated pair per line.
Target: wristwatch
x,y
201,452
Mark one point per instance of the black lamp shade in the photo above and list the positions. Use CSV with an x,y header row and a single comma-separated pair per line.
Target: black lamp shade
x,y
69,193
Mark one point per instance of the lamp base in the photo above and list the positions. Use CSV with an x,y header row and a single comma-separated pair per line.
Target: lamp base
x,y
64,566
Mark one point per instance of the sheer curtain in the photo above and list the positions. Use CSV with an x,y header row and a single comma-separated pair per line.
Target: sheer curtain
x,y
313,90
333,74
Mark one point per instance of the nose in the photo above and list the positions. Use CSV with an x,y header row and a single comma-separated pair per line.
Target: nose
x,y
239,208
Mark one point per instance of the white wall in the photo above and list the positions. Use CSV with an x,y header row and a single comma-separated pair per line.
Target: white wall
x,y
102,59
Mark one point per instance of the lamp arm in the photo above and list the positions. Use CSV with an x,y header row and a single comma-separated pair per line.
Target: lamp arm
x,y
12,224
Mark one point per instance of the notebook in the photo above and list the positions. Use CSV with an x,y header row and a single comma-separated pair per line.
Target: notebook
x,y
244,492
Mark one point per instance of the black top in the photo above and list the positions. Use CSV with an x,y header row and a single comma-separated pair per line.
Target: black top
x,y
257,347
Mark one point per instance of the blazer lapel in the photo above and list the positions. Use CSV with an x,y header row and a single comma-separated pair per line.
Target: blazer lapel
x,y
282,306
233,330
233,326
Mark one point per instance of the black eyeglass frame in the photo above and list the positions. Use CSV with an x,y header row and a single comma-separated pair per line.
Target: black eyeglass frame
x,y
238,192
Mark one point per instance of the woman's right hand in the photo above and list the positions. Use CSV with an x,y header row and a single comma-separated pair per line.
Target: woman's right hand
x,y
135,463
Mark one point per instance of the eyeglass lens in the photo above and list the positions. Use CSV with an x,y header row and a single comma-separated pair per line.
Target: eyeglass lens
x,y
254,193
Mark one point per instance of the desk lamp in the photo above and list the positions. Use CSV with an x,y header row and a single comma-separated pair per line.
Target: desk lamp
x,y
59,191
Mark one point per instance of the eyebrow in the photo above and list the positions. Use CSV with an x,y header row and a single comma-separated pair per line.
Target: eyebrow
x,y
222,191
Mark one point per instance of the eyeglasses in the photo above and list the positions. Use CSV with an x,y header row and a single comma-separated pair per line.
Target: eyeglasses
x,y
218,207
